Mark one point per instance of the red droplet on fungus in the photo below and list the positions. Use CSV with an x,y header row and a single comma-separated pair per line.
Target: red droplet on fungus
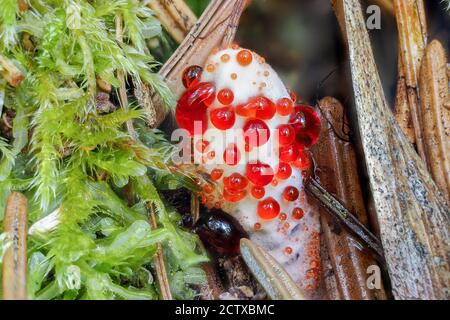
x,y
284,171
306,123
235,181
285,106
244,57
288,153
208,188
268,208
223,118
297,213
191,107
286,134
257,107
191,76
256,133
290,193
234,195
258,192
216,174
259,173
225,96
303,161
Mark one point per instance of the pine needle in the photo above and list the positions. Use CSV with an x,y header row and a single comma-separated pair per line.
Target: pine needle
x,y
446,3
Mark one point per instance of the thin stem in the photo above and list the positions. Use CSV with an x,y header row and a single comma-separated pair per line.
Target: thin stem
x,y
161,271
181,13
345,216
195,208
121,77
168,22
233,23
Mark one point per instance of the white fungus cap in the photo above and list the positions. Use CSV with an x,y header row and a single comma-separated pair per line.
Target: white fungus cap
x,y
254,79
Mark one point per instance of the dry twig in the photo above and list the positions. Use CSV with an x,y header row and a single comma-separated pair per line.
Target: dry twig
x,y
233,23
195,208
166,19
121,77
176,17
15,255
160,266
181,13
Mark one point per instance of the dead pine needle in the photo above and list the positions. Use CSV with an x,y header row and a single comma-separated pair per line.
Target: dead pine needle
x,y
160,266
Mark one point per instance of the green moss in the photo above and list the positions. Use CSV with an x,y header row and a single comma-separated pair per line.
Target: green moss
x,y
73,160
